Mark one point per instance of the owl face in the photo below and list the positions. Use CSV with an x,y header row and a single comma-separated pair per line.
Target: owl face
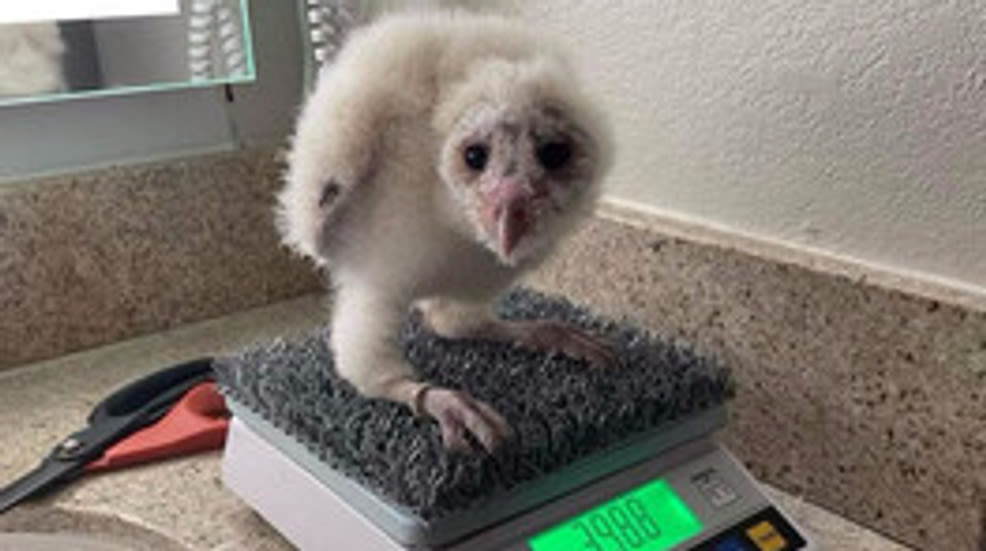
x,y
520,174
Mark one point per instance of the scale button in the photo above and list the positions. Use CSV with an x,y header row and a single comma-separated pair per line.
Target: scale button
x,y
714,488
766,537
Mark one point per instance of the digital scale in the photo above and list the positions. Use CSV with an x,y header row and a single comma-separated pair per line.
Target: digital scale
x,y
675,489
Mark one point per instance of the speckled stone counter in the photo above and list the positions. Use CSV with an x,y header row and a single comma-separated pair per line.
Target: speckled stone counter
x,y
864,399
852,393
180,504
95,257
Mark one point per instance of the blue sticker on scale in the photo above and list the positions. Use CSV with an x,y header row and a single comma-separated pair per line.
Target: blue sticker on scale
x,y
732,543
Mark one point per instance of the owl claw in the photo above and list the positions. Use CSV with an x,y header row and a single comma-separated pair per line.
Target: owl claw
x,y
458,413
558,337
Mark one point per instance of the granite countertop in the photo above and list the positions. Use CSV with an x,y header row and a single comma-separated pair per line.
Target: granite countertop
x,y
181,504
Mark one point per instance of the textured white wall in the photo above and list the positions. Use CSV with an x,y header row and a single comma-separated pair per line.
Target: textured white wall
x,y
854,127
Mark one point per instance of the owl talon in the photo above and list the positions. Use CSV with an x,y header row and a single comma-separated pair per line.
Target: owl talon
x,y
458,413
558,337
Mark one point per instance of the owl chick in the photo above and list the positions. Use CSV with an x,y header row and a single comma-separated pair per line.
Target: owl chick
x,y
440,157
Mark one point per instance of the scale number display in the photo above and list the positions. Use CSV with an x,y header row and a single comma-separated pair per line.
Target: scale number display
x,y
648,518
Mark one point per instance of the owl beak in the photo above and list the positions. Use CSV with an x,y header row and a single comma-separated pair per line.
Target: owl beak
x,y
511,227
512,202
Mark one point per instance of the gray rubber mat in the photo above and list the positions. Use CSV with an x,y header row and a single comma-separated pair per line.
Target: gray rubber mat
x,y
560,408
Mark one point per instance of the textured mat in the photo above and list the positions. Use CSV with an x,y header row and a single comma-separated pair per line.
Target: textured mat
x,y
560,409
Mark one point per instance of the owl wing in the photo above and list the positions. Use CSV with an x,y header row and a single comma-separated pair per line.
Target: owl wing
x,y
332,152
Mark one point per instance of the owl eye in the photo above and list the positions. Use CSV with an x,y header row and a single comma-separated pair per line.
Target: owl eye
x,y
476,156
554,155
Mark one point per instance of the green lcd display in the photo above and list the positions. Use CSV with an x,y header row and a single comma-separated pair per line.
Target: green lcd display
x,y
648,518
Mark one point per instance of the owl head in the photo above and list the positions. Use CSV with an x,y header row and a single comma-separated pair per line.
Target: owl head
x,y
523,154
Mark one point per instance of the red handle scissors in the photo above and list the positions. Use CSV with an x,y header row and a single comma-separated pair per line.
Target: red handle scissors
x,y
172,412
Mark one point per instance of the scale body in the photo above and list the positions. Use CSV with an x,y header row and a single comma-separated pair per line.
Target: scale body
x,y
677,490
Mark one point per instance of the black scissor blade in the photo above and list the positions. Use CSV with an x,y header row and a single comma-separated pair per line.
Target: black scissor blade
x,y
43,478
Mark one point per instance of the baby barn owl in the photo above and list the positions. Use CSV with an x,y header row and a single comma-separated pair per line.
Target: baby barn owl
x,y
440,156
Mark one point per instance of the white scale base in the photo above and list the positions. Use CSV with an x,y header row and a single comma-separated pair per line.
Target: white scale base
x,y
734,513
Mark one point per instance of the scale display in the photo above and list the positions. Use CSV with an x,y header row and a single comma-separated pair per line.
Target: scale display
x,y
650,517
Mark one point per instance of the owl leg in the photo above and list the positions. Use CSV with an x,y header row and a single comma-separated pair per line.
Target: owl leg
x,y
363,328
454,319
